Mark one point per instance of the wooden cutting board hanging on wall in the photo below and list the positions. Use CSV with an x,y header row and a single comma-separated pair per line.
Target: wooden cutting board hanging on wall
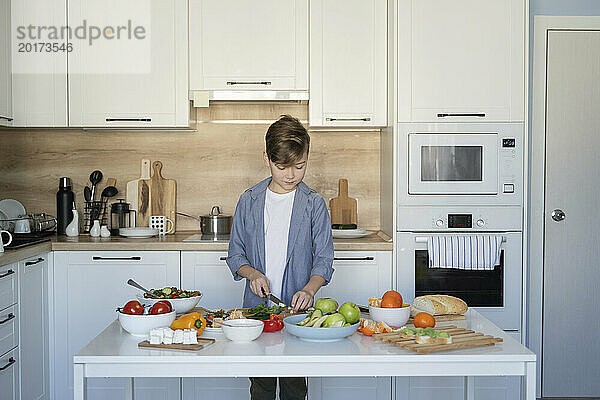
x,y
343,208
156,196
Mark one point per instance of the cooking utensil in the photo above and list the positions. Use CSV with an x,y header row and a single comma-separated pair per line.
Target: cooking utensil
x,y
213,224
131,194
95,178
133,283
156,196
343,208
108,192
87,193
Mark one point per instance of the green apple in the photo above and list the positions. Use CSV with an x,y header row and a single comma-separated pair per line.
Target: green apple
x,y
334,320
326,305
350,312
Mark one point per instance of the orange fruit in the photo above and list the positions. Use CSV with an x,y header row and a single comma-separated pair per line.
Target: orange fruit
x,y
424,320
391,302
394,294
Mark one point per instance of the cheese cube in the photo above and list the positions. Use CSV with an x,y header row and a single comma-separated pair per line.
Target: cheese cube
x,y
168,340
193,338
178,336
154,339
186,337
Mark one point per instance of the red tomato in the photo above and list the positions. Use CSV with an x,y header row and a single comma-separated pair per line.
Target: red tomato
x,y
161,307
133,307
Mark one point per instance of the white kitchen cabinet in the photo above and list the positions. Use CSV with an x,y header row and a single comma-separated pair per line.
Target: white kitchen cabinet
x,y
249,45
358,275
348,63
139,80
34,328
461,61
208,272
6,112
9,375
88,287
453,388
39,80
9,285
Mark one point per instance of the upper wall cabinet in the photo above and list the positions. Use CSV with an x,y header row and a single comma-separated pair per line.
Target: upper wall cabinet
x,y
348,71
131,70
39,80
255,48
461,60
6,117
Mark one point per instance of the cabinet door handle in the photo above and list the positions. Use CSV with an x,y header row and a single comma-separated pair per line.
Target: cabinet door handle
x,y
368,258
365,119
223,258
8,318
11,361
9,272
444,115
39,260
134,258
263,83
128,119
6,118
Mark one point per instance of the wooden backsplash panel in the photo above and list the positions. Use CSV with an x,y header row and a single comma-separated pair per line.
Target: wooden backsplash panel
x,y
212,166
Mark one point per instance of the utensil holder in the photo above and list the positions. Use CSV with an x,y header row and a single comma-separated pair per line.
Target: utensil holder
x,y
93,209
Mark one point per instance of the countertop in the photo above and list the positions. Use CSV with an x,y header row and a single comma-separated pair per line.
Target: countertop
x,y
278,349
378,241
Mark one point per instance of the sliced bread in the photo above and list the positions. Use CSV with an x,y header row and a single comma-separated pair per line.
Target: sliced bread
x,y
438,304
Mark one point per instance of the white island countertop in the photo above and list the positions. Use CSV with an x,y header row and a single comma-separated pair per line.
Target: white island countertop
x,y
114,353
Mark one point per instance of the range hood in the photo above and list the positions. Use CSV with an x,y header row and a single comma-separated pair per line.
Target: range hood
x,y
201,98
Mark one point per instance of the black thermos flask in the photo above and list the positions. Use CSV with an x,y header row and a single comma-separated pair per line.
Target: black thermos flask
x,y
64,205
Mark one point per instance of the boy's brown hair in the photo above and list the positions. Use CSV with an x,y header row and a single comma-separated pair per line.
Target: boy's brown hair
x,y
287,141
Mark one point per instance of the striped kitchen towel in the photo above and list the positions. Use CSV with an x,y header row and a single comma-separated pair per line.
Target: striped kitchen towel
x,y
472,252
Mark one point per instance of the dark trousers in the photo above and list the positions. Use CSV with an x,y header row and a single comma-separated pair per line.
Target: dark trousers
x,y
289,388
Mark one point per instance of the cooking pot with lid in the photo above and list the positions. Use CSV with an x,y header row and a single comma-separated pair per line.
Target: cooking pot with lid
x,y
215,223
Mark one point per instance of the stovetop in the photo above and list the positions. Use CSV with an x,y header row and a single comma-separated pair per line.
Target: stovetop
x,y
21,240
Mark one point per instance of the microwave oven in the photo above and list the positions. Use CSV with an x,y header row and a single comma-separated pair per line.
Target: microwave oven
x,y
467,164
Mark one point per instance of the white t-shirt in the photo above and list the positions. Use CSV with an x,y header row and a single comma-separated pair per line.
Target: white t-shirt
x,y
278,213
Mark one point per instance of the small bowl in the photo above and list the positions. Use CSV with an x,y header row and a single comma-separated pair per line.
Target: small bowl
x,y
395,317
141,325
243,330
180,305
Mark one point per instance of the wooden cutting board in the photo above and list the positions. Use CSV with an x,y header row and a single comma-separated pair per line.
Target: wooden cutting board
x,y
156,196
131,195
461,338
343,208
202,343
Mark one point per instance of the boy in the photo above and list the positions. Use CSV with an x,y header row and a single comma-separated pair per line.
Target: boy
x,y
281,238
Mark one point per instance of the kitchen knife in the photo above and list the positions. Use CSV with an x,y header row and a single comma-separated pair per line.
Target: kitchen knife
x,y
275,300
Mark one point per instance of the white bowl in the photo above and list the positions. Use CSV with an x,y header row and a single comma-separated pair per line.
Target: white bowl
x,y
395,317
141,325
244,330
180,305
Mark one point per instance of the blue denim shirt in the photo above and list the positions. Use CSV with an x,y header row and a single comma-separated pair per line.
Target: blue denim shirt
x,y
309,248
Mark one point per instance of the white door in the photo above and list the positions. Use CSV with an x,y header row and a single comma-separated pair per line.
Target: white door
x,y
6,117
571,252
248,45
461,60
34,328
39,81
348,63
134,73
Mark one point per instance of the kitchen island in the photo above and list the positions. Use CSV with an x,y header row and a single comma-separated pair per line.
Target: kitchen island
x,y
114,353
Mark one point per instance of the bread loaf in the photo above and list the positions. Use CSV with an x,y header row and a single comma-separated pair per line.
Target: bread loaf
x,y
438,304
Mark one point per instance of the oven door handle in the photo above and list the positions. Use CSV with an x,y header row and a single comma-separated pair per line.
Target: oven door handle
x,y
423,239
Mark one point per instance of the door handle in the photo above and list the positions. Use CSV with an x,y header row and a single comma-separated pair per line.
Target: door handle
x,y
39,260
11,361
558,215
8,318
9,272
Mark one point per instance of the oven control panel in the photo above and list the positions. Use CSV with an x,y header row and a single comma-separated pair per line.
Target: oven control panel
x,y
460,221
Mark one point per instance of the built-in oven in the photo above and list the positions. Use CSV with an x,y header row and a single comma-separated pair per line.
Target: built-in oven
x,y
496,292
460,164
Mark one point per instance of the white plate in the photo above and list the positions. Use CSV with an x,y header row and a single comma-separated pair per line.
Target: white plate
x,y
138,233
12,208
350,233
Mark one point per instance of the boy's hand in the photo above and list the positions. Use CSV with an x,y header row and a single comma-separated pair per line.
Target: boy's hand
x,y
259,284
302,300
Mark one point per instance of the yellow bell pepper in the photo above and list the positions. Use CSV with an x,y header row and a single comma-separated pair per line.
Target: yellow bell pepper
x,y
190,321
